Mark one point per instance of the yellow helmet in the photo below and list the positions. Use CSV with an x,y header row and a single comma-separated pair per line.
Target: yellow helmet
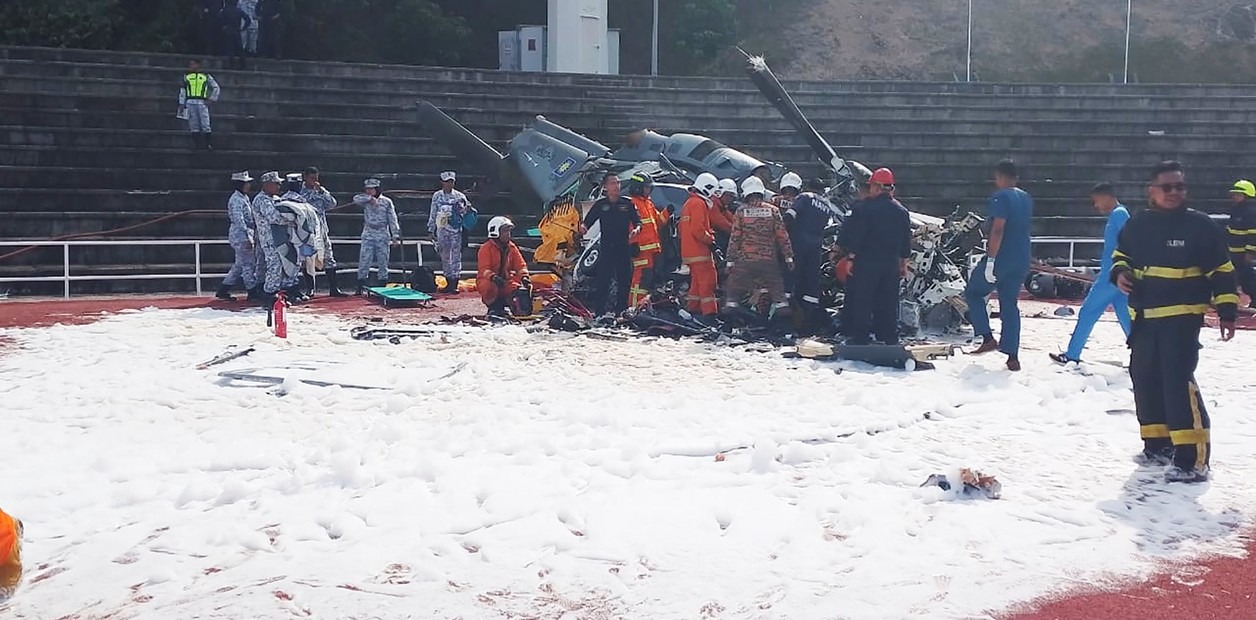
x,y
1245,187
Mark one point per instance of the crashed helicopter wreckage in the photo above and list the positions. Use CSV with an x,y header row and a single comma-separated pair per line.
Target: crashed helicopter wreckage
x,y
550,166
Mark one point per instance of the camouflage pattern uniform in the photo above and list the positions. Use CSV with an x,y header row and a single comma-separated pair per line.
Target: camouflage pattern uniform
x,y
445,222
758,239
322,200
379,230
241,236
265,215
248,36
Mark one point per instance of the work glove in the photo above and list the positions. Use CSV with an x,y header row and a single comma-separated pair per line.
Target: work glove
x,y
789,264
989,273
715,247
525,282
499,281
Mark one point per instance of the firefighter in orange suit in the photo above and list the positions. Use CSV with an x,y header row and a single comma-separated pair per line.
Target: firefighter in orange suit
x,y
10,555
501,274
645,240
697,245
722,212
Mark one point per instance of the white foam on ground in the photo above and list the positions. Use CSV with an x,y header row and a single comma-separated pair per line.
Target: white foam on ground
x,y
560,476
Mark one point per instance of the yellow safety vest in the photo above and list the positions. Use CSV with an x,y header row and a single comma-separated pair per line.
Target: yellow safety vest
x,y
197,85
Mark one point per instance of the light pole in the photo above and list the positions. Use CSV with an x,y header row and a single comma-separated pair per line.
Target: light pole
x,y
969,72
654,42
1129,12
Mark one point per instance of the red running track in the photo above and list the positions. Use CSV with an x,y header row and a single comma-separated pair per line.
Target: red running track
x,y
1217,589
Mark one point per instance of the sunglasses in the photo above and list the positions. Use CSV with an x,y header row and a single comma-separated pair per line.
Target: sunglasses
x,y
1171,187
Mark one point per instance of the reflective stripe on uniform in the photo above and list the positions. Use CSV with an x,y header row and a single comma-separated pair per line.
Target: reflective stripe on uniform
x,y
1170,273
810,299
1154,431
1178,310
649,246
1198,435
697,259
1226,298
1226,267
641,263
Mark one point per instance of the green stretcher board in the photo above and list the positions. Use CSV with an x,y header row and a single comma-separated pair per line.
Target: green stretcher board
x,y
398,296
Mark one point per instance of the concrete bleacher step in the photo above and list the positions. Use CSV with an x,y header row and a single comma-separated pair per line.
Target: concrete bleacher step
x,y
384,71
501,132
88,139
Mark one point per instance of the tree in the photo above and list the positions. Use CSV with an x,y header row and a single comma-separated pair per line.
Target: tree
x,y
701,30
65,23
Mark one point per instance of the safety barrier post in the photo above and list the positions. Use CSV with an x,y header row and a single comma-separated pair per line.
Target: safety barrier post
x,y
197,247
65,267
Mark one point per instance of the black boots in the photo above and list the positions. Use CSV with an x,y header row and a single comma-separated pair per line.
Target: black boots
x,y
451,286
223,293
361,288
209,141
332,287
307,285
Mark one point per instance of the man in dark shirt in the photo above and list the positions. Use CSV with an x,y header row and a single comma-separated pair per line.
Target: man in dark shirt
x,y
807,216
877,238
619,220
1172,262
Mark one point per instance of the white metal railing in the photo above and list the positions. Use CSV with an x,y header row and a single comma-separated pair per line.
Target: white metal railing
x,y
1072,242
197,274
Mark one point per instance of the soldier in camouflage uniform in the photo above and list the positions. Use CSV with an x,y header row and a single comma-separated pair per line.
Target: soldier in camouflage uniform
x,y
758,241
248,36
444,222
380,231
321,199
265,215
240,235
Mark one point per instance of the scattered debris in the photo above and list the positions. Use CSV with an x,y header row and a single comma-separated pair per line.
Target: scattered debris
x,y
975,483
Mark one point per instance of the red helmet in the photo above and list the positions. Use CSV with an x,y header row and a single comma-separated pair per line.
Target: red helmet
x,y
883,176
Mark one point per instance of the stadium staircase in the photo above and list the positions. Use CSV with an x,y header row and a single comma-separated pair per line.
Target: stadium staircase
x,y
89,142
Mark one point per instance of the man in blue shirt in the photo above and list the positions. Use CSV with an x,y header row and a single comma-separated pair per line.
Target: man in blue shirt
x,y
1005,266
1104,293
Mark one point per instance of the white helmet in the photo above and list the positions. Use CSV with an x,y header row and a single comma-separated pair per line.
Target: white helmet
x,y
496,224
728,186
706,184
752,185
791,180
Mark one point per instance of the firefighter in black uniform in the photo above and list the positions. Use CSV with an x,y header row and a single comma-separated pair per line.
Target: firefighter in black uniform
x,y
877,238
1242,236
1172,262
806,219
619,220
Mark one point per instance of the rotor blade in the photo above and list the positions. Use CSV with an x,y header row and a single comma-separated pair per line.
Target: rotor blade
x,y
459,140
766,82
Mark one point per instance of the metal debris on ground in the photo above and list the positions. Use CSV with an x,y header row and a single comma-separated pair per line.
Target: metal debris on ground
x,y
975,484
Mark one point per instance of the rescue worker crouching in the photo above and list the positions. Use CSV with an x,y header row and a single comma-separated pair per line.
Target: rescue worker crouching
x,y
646,241
501,273
877,237
1172,262
697,246
758,243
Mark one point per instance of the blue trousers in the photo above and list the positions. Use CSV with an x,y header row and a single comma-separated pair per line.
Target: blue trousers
x,y
1102,295
1008,288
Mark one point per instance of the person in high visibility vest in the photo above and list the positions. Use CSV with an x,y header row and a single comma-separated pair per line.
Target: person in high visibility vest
x,y
648,248
1241,236
196,92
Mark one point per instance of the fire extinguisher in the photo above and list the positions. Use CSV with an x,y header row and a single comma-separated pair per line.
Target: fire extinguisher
x,y
281,319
